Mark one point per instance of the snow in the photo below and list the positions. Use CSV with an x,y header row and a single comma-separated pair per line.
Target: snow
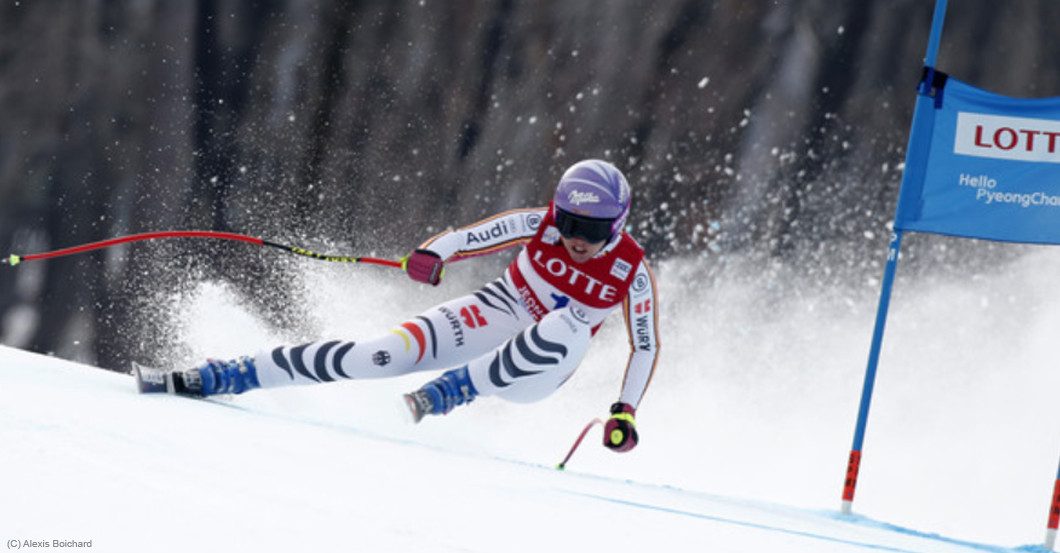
x,y
86,458
744,434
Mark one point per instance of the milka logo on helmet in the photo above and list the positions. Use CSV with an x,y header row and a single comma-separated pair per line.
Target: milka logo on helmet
x,y
579,198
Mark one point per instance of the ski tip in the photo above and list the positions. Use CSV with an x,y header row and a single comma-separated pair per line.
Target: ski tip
x,y
150,380
412,413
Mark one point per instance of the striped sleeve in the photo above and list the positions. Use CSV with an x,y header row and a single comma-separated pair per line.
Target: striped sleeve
x,y
500,232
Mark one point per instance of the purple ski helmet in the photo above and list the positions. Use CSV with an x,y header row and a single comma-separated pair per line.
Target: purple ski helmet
x,y
591,201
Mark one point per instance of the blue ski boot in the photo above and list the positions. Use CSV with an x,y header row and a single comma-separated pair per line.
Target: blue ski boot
x,y
440,395
218,377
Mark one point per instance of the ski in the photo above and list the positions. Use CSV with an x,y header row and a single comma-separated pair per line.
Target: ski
x,y
151,380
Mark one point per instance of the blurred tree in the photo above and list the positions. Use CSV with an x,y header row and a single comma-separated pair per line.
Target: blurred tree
x,y
771,129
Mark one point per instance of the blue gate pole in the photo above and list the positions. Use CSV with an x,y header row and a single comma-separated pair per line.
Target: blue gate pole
x,y
914,169
854,462
936,33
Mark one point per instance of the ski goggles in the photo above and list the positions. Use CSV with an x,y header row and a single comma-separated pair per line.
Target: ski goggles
x,y
590,229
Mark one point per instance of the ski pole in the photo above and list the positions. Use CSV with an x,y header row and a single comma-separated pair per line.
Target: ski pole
x,y
563,464
13,259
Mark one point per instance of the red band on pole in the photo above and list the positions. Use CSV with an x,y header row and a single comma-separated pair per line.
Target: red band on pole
x,y
1054,510
851,481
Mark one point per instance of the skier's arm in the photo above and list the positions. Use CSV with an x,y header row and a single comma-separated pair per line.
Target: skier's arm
x,y
641,312
500,232
642,322
497,233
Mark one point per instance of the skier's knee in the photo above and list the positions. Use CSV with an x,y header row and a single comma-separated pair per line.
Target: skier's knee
x,y
535,362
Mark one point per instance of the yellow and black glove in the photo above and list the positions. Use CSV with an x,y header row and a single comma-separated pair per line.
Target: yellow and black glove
x,y
620,431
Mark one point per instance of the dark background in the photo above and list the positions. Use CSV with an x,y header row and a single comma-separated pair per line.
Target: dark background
x,y
769,130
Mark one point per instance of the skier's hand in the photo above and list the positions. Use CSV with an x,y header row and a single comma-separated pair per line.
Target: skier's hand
x,y
424,266
620,431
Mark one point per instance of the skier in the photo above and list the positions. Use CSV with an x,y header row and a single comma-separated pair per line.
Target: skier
x,y
519,337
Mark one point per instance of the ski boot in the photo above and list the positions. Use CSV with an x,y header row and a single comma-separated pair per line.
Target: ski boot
x,y
215,377
440,395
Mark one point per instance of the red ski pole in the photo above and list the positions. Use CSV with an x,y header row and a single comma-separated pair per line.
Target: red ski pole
x,y
563,464
13,260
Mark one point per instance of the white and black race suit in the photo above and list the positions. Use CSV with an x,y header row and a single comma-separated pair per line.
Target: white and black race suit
x,y
521,335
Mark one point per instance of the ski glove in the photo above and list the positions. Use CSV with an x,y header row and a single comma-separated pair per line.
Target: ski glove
x,y
424,266
620,431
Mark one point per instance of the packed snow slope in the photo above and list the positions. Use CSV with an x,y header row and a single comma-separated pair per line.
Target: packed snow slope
x,y
745,429
87,459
